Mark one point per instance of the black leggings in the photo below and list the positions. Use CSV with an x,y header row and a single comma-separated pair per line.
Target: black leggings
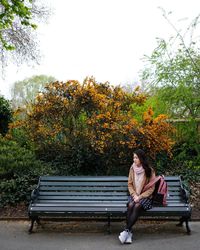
x,y
133,212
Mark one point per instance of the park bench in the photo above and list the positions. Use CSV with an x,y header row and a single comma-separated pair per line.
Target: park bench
x,y
100,196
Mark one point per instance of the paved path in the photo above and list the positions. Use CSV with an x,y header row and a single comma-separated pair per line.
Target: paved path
x,y
92,236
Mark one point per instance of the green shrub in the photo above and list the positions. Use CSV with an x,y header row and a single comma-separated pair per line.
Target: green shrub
x,y
5,115
19,172
185,161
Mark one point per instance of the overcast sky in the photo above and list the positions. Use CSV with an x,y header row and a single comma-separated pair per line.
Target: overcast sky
x,y
101,38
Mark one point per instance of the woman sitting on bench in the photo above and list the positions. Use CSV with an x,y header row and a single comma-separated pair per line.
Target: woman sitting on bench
x,y
140,175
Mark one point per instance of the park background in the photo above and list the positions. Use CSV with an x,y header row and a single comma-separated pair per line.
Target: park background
x,y
89,108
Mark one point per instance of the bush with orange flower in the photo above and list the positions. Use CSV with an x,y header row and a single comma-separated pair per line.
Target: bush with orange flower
x,y
89,128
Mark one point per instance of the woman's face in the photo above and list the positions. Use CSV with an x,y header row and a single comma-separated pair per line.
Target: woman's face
x,y
136,160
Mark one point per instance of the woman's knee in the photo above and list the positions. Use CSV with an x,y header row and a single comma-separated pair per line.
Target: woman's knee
x,y
138,206
130,205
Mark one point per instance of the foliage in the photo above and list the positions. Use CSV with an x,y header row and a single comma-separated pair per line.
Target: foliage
x,y
173,74
11,10
89,128
185,162
18,20
24,92
171,78
19,172
5,115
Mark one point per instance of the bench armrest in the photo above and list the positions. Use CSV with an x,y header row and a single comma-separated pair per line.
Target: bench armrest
x,y
185,194
34,194
185,191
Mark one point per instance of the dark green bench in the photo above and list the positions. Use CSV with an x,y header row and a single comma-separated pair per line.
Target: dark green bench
x,y
90,196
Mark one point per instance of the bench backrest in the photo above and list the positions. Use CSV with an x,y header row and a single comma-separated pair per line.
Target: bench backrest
x,y
96,188
83,188
175,189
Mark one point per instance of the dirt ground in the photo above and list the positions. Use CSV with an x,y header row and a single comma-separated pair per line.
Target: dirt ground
x,y
195,201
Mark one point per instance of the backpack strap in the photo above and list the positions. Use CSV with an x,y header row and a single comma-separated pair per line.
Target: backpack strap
x,y
151,183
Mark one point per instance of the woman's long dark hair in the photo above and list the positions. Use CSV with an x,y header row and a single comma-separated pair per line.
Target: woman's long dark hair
x,y
143,159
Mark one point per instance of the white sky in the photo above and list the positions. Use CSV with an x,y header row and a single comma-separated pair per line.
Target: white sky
x,y
101,38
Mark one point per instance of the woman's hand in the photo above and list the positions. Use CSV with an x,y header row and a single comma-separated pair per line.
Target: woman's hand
x,y
136,198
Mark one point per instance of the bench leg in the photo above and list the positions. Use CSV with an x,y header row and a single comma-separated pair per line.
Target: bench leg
x,y
187,226
186,220
180,224
108,228
33,219
38,221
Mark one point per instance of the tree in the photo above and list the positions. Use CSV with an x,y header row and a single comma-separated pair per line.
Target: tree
x,y
173,73
17,22
5,115
172,79
24,92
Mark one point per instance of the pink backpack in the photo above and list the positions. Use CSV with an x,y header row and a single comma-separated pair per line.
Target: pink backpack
x,y
161,190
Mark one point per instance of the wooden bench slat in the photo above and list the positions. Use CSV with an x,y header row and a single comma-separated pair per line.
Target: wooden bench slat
x,y
103,204
82,197
173,188
100,178
81,209
110,209
172,203
171,194
168,209
173,184
104,184
172,178
84,178
43,188
117,190
171,200
81,183
79,202
114,197
84,193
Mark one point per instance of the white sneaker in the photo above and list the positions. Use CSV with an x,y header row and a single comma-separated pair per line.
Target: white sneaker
x,y
123,236
129,238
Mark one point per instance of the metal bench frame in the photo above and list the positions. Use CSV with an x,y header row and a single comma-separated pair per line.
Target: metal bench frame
x,y
61,196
